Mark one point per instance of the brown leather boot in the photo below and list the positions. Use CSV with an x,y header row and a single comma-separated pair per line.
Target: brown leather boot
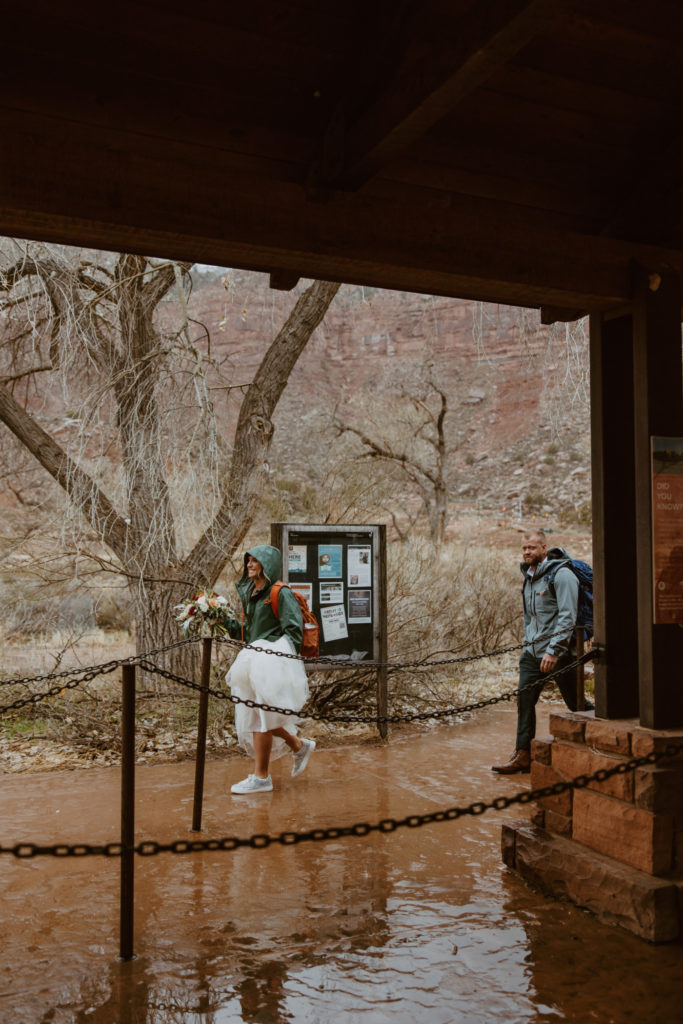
x,y
519,762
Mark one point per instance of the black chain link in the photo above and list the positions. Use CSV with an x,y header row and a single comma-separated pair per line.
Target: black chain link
x,y
260,841
35,698
142,661
343,665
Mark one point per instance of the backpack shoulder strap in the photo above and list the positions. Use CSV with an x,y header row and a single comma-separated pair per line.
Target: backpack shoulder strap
x,y
553,573
274,597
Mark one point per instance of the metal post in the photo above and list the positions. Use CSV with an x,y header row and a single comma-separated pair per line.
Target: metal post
x,y
382,674
382,702
580,681
201,736
127,813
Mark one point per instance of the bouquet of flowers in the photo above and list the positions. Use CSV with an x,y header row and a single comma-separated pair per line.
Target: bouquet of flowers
x,y
206,614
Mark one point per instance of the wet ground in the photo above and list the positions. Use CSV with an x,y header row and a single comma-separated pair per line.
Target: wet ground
x,y
418,924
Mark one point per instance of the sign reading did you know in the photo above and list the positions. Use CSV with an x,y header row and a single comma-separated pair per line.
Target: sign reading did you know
x,y
667,529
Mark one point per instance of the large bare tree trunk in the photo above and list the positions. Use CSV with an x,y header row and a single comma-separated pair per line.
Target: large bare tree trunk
x,y
143,539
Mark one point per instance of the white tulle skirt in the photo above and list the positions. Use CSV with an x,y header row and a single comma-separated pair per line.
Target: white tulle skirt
x,y
267,679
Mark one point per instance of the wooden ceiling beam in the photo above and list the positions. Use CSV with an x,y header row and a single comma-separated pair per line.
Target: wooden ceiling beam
x,y
421,94
113,191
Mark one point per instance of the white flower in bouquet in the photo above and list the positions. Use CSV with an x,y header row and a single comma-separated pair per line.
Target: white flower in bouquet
x,y
205,614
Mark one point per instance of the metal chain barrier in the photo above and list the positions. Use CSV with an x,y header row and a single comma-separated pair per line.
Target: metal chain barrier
x,y
320,716
141,660
260,841
87,675
135,659
423,663
35,698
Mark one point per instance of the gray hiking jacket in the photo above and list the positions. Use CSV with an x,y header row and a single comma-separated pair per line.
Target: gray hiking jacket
x,y
550,610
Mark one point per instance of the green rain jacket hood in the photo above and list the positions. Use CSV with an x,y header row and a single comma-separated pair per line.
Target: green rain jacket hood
x,y
261,622
271,560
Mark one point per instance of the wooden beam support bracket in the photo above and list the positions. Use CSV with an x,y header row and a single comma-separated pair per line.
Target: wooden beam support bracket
x,y
283,280
557,315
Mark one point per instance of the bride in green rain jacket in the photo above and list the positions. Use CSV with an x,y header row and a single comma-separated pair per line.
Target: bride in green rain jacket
x,y
265,678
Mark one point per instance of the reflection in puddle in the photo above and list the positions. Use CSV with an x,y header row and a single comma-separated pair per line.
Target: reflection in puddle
x,y
422,923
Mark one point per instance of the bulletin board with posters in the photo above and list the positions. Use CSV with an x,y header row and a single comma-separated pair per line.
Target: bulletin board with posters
x,y
341,571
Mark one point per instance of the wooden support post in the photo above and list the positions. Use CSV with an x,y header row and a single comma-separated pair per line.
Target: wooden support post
x,y
126,919
201,736
614,527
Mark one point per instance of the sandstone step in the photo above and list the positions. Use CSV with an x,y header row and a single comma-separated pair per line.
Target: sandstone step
x,y
651,908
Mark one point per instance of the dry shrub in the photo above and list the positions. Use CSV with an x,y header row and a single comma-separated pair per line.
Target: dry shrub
x,y
452,599
114,609
32,609
87,721
448,601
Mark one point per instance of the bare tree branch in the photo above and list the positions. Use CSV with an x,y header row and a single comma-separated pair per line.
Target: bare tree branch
x,y
26,373
80,487
254,434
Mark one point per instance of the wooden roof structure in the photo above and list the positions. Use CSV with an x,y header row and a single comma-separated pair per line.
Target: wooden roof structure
x,y
517,151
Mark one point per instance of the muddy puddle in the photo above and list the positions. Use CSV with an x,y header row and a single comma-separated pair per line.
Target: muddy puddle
x,y
422,924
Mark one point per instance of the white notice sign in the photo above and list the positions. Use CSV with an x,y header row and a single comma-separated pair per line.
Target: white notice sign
x,y
333,620
296,558
359,565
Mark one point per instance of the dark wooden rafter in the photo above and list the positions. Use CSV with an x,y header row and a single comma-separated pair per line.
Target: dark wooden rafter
x,y
653,195
421,94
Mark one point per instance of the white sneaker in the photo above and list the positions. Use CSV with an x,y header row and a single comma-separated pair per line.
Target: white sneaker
x,y
253,784
301,759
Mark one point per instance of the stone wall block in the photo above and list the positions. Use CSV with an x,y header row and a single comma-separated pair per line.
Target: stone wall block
x,y
545,775
660,791
559,824
541,751
570,760
537,816
647,741
569,725
678,856
617,894
610,737
508,840
628,834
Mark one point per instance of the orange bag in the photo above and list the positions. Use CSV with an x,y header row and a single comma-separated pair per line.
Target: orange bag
x,y
310,645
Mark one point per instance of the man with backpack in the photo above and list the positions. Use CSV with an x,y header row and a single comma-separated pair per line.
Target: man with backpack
x,y
550,599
